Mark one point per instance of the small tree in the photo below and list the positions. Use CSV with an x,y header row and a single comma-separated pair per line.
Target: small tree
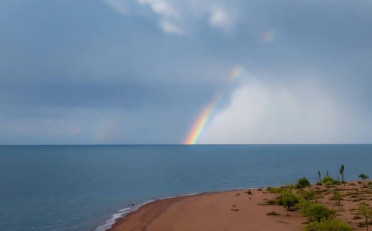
x,y
315,211
302,183
363,177
287,199
365,211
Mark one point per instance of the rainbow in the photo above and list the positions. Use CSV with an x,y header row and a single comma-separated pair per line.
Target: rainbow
x,y
208,111
268,36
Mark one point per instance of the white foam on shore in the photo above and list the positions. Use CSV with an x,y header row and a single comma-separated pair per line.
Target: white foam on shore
x,y
118,215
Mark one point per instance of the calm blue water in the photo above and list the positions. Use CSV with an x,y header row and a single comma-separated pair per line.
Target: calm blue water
x,y
80,187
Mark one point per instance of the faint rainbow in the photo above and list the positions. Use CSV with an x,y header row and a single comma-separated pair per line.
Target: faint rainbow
x,y
209,110
104,130
268,36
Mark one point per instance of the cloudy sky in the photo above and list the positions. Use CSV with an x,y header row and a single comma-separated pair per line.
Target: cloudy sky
x,y
142,71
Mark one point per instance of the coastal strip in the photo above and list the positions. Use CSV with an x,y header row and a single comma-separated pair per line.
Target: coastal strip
x,y
255,209
231,210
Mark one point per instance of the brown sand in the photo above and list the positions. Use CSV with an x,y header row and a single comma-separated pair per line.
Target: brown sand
x,y
224,211
237,210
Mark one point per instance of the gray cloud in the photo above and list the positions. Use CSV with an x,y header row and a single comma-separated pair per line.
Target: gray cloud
x,y
68,67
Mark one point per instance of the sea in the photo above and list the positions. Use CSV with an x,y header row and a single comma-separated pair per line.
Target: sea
x,y
86,188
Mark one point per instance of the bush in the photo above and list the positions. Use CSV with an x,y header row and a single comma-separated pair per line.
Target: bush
x,y
328,225
274,190
302,183
289,186
307,195
315,211
287,199
328,179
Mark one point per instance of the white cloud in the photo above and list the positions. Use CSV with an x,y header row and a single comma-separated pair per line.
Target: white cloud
x,y
300,113
175,16
169,28
221,18
160,7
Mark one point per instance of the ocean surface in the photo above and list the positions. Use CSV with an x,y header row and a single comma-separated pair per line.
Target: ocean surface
x,y
79,188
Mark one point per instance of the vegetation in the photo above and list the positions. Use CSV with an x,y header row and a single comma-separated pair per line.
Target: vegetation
x,y
342,169
274,190
365,211
289,186
302,183
315,211
319,217
363,177
328,225
337,197
287,199
307,195
328,179
319,178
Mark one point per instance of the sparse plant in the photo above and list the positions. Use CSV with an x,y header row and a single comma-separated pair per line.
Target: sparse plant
x,y
365,211
272,213
342,169
363,177
337,197
319,178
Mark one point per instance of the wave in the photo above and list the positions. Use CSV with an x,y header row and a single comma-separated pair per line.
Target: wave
x,y
118,215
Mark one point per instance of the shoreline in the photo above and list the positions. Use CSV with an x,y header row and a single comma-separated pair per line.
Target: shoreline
x,y
154,215
124,212
236,209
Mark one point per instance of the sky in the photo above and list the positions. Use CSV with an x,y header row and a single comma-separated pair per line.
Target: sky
x,y
145,71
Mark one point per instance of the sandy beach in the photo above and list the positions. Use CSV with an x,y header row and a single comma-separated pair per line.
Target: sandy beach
x,y
236,210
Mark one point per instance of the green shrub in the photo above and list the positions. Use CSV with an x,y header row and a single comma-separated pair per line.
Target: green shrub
x,y
274,190
287,199
307,194
328,225
315,211
328,179
302,183
289,186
